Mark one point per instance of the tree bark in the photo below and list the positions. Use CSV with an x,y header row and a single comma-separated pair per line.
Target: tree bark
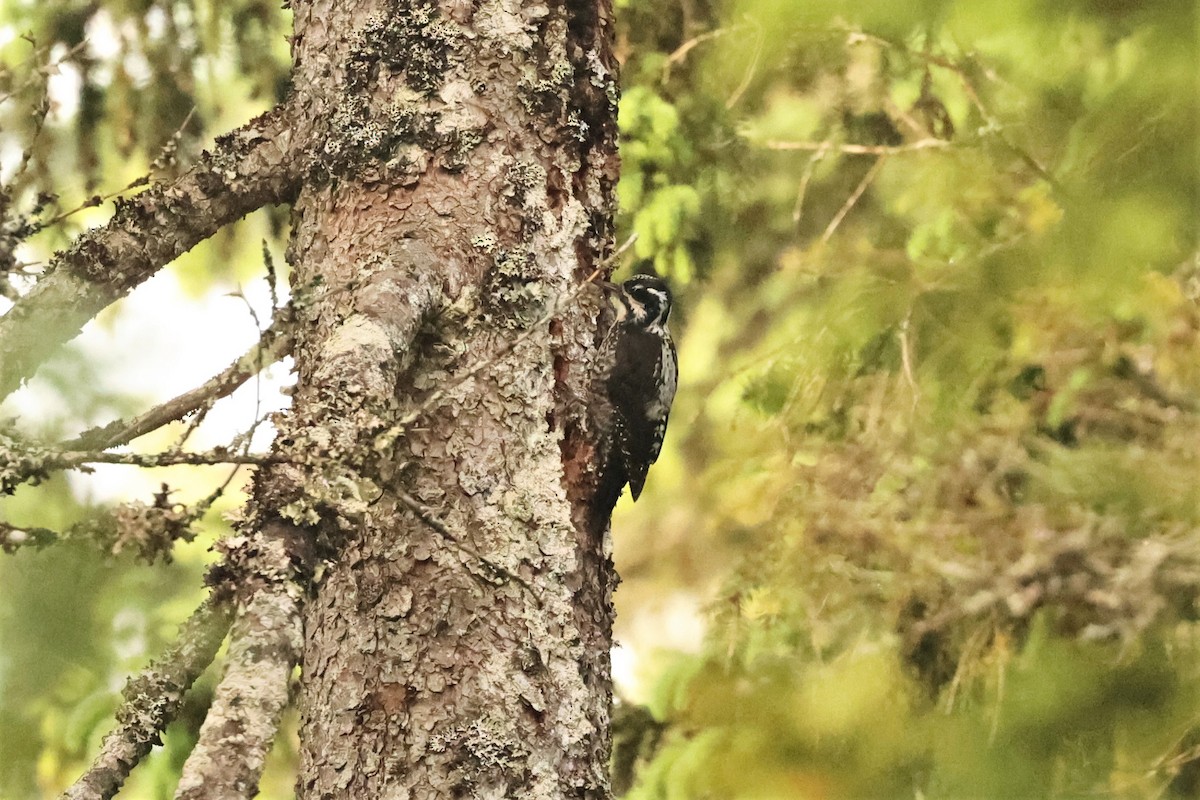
x,y
466,188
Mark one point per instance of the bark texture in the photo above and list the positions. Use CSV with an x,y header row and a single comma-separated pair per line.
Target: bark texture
x,y
466,186
263,646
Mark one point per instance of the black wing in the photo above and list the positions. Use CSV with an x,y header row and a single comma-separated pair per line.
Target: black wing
x,y
639,415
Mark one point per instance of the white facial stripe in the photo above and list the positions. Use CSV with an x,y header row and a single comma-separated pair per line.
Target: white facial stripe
x,y
644,295
661,302
620,305
659,294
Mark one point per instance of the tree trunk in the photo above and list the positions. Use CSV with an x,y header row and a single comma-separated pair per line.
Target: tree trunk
x,y
457,643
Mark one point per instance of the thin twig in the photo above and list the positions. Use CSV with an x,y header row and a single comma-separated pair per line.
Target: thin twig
x,y
201,508
993,124
170,149
248,436
193,424
40,112
21,462
273,344
852,199
924,54
43,69
680,53
858,149
150,528
96,200
165,156
809,169
906,359
750,70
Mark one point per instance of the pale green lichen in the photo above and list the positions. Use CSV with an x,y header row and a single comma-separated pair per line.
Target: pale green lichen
x,y
486,242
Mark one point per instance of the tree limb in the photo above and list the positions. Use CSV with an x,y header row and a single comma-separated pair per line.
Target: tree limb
x,y
263,650
20,462
172,458
273,345
256,165
151,701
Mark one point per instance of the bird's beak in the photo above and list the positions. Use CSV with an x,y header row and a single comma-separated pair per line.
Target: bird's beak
x,y
615,296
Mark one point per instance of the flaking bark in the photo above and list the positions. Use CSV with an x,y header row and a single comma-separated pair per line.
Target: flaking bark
x,y
425,674
461,188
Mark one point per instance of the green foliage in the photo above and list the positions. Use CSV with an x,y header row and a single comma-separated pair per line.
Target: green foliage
x,y
655,155
75,625
937,399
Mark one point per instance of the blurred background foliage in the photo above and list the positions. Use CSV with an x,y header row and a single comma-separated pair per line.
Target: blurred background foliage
x,y
95,97
926,523
932,474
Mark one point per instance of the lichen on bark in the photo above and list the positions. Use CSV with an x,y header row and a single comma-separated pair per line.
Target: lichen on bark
x,y
425,672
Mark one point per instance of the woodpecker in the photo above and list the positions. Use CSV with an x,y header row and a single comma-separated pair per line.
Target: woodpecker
x,y
638,376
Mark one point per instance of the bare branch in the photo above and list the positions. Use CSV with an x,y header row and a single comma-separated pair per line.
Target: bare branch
x,y
852,199
256,165
273,345
95,201
51,460
169,459
152,699
858,149
806,177
37,71
21,462
679,54
751,68
994,125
